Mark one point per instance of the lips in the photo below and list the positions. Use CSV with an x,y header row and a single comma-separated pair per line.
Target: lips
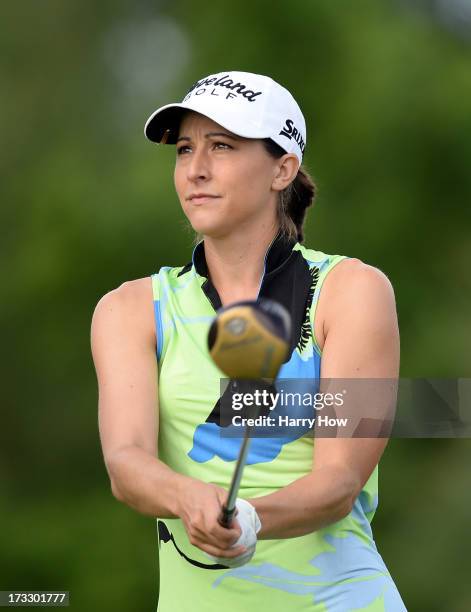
x,y
198,198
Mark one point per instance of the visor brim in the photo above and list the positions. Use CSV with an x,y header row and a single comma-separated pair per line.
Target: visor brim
x,y
162,126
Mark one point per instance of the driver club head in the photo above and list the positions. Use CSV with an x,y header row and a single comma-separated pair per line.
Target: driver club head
x,y
250,339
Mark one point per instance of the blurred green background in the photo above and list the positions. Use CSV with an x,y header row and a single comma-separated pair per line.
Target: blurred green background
x,y
87,203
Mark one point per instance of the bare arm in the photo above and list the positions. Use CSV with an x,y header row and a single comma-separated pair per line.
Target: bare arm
x,y
126,366
362,341
124,354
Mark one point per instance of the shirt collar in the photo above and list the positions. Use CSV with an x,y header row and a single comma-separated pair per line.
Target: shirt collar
x,y
287,279
276,255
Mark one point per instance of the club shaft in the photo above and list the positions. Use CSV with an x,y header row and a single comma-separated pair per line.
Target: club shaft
x,y
230,505
235,484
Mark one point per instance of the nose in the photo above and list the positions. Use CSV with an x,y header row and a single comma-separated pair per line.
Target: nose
x,y
198,169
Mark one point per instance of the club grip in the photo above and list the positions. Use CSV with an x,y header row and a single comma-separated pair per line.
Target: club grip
x,y
226,516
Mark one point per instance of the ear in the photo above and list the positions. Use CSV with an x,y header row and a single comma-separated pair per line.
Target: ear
x,y
286,170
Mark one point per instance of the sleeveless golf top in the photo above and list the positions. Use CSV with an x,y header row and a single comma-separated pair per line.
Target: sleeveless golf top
x,y
335,569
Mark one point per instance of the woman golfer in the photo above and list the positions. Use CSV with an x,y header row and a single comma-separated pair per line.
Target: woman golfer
x,y
301,538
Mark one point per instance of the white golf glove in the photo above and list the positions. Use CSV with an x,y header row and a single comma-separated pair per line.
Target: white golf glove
x,y
250,525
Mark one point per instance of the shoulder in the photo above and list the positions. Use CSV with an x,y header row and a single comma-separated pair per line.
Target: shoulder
x,y
128,296
353,274
341,269
354,291
129,305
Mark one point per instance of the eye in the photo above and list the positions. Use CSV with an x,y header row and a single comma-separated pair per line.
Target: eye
x,y
181,150
222,145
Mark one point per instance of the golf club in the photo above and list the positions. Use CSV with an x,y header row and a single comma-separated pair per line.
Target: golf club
x,y
248,340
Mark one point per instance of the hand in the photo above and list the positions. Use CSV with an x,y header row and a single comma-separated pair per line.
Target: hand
x,y
250,525
199,507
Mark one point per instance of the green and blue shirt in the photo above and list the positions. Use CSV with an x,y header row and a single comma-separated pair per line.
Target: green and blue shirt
x,y
335,569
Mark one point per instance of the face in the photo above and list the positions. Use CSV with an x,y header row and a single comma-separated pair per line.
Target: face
x,y
224,182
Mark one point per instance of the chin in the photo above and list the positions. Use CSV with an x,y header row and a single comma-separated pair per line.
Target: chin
x,y
211,231
210,226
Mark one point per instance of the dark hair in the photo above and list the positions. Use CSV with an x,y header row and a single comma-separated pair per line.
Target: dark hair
x,y
295,199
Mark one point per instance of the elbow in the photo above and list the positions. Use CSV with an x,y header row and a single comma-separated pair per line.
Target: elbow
x,y
113,467
351,490
345,507
115,490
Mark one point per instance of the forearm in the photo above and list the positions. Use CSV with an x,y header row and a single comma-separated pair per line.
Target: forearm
x,y
314,501
145,483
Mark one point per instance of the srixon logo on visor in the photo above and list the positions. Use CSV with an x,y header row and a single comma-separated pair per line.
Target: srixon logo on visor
x,y
208,87
291,132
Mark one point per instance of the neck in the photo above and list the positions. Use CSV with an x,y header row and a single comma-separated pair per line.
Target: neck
x,y
236,262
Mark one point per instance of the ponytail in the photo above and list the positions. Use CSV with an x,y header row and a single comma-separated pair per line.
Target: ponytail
x,y
295,199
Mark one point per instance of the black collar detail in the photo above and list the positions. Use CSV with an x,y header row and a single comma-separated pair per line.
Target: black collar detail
x,y
286,279
278,251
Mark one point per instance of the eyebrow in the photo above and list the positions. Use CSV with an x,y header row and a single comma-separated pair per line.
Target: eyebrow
x,y
209,134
